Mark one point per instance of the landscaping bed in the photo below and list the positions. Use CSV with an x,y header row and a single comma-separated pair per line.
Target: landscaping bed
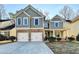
x,y
6,42
64,47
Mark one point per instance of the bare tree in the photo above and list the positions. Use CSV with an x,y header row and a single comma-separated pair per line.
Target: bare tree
x,y
77,13
12,15
67,13
44,12
3,13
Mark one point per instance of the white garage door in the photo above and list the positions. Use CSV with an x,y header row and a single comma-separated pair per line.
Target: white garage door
x,y
36,36
23,36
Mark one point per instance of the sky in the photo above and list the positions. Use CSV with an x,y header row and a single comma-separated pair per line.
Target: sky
x,y
52,9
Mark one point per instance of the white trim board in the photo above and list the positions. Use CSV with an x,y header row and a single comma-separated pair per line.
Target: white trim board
x,y
34,20
24,21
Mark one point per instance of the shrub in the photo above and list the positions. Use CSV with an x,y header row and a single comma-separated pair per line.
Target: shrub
x,y
12,38
58,39
51,39
45,38
77,37
2,37
71,38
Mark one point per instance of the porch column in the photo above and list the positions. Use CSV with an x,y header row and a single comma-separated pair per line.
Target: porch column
x,y
65,34
53,33
60,33
50,33
44,33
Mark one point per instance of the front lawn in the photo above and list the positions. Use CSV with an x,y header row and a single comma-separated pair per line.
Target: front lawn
x,y
64,47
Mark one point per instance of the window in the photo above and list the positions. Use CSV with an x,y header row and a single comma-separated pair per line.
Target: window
x,y
19,21
25,21
36,21
56,24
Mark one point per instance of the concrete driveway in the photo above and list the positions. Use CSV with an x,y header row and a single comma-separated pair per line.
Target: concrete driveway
x,y
25,48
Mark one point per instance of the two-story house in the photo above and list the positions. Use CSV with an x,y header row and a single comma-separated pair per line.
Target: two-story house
x,y
55,27
29,24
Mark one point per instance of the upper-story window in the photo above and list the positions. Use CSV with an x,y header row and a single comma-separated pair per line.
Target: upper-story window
x,y
56,24
36,21
25,20
19,21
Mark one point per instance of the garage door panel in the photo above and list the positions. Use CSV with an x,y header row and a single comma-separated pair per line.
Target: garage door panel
x,y
36,36
23,37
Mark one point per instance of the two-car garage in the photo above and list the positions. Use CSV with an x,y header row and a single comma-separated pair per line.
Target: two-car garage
x,y
34,36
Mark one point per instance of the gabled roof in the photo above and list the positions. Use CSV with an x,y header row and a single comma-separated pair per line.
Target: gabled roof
x,y
22,11
69,21
30,6
3,20
57,17
75,19
8,27
7,24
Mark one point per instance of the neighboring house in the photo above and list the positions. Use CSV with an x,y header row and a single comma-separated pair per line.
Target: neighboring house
x,y
55,27
74,27
6,26
29,25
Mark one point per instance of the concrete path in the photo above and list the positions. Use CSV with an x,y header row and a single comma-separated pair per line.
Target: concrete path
x,y
25,48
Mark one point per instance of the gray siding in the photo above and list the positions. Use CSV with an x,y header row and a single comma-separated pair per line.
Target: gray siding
x,y
37,26
32,13
53,27
23,15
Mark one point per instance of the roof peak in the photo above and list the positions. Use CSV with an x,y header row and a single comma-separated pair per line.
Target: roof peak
x,y
29,5
57,16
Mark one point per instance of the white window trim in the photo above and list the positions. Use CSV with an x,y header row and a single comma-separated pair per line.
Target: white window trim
x,y
17,21
38,20
55,23
23,20
36,17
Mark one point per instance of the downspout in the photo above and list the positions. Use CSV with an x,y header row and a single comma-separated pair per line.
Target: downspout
x,y
30,28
